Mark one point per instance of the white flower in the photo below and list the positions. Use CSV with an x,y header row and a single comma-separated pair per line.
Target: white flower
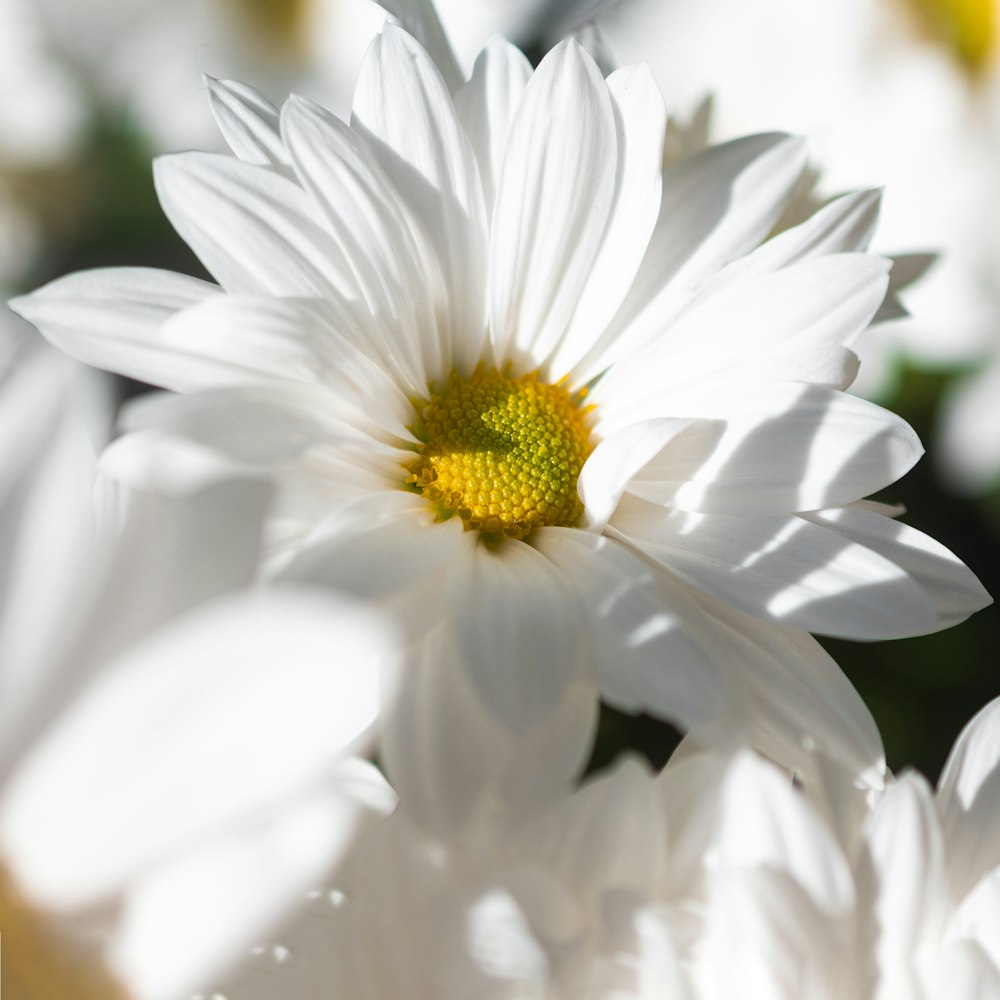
x,y
902,94
171,776
716,877
542,399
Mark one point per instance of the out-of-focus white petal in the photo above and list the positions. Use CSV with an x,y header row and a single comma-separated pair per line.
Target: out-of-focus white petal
x,y
206,723
214,901
969,800
420,19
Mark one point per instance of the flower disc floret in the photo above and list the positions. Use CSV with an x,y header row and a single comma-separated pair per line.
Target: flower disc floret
x,y
502,452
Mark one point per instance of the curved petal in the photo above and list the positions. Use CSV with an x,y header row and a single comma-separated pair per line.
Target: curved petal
x,y
252,227
641,121
813,305
403,109
952,587
969,800
554,199
715,206
210,720
392,265
518,634
112,318
776,447
420,19
248,122
782,569
486,106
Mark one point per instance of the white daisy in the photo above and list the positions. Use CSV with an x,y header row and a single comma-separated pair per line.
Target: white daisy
x,y
171,777
551,404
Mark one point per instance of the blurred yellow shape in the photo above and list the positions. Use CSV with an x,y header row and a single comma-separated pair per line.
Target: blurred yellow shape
x,y
967,28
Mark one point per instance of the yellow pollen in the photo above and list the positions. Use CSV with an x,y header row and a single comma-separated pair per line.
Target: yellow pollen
x,y
969,29
502,452
280,23
38,964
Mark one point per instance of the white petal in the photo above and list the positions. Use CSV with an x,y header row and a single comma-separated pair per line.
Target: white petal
x,y
112,317
517,630
901,878
969,799
950,584
419,18
813,305
211,720
403,108
247,121
776,447
640,119
782,569
216,901
253,228
845,225
715,206
615,461
486,106
554,198
649,653
766,822
391,263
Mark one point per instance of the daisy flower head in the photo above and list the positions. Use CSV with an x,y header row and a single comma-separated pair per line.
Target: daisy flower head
x,y
560,408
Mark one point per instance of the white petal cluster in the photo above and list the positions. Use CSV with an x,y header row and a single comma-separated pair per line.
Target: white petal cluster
x,y
172,750
714,878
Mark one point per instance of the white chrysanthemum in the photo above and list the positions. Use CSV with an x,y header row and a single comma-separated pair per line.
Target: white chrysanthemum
x,y
904,93
716,878
171,776
543,399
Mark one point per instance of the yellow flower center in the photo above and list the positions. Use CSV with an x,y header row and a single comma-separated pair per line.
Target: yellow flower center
x,y
967,28
36,964
502,452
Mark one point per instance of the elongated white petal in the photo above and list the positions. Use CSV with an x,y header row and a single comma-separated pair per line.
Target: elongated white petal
x,y
902,875
813,305
776,447
969,800
948,582
783,569
715,206
521,662
215,901
247,121
554,198
392,263
403,108
486,105
766,822
615,461
640,120
420,19
112,318
648,652
845,225
253,228
220,715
